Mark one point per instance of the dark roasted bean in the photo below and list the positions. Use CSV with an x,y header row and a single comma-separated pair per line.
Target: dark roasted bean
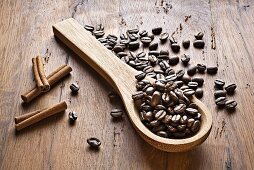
x,y
185,59
111,36
160,115
98,34
167,119
171,77
133,45
179,134
140,76
173,60
89,28
164,65
186,44
199,43
190,122
74,88
180,109
116,113
184,119
181,127
159,85
102,40
201,68
160,107
146,40
150,90
73,116
155,53
192,70
230,88
152,59
180,74
179,93
179,83
99,27
143,33
133,37
159,128
169,71
123,37
133,31
154,123
219,83
162,134
148,116
191,111
153,46
198,116
176,118
199,36
156,98
172,40
212,69
157,30
188,92
231,104
164,52
193,85
220,93
117,49
160,77
94,142
193,105
148,69
175,47
196,126
199,93
186,79
170,86
221,101
164,37
199,80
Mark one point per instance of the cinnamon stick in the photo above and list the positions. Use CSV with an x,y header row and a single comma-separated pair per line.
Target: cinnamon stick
x,y
19,119
36,74
41,115
53,78
42,74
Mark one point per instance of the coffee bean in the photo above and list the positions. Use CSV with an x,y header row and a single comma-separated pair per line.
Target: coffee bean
x,y
181,127
99,27
143,33
159,85
199,36
74,88
167,119
180,109
146,40
155,53
175,47
133,37
169,71
230,88
221,101
220,93
199,80
179,135
193,105
111,36
171,77
180,74
165,97
154,123
151,36
164,37
148,69
117,49
199,93
157,30
179,83
164,52
170,86
133,31
186,44
231,104
102,40
89,28
198,116
184,119
160,115
162,134
138,95
152,59
193,85
191,111
146,107
124,42
123,36
186,79
192,70
153,46
94,142
133,45
160,77
98,34
199,43
164,65
190,122
116,113
73,116
196,126
173,60
188,92
219,83
212,70
148,116
201,68
172,40
156,98
176,118
140,76
185,59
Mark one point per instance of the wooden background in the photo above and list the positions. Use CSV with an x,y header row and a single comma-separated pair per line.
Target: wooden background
x,y
26,31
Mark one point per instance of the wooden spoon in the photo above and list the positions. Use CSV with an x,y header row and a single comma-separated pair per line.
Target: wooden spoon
x,y
122,78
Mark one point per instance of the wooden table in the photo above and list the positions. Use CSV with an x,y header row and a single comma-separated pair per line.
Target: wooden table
x,y
26,31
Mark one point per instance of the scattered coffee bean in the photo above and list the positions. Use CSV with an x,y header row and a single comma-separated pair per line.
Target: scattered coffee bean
x,y
186,79
175,47
185,59
94,142
201,68
164,37
123,37
192,70
221,101
99,27
140,76
164,52
157,30
133,31
199,36
153,46
193,85
230,88
98,34
186,44
220,93
188,92
146,40
118,49
199,43
143,33
212,69
74,88
89,28
133,37
73,116
173,60
219,83
199,80
162,134
180,74
155,53
116,113
231,104
199,93
133,45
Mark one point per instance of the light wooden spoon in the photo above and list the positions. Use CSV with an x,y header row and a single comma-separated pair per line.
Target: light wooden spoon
x,y
122,78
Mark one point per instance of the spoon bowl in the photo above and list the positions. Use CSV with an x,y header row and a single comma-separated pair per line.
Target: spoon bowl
x,y
122,78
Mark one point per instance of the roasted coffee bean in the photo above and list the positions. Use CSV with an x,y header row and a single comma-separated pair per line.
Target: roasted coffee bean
x,y
122,54
198,116
180,109
164,37
164,65
154,123
160,107
169,71
170,110
159,128
146,107
159,85
111,36
171,129
199,93
116,113
184,119
191,111
193,85
89,28
188,92
133,31
146,40
143,33
150,90
179,135
140,76
175,47
172,40
74,88
111,42
185,59
162,134
219,83
187,131
160,77
117,49
148,69
179,83
157,30
231,104
199,80
133,45
152,59
73,116
179,94
140,85
196,126
141,54
199,36
94,142
193,105
167,119
199,43
173,96
133,37
98,34
181,127
192,70
212,69
190,122
173,60
171,77
186,100
160,115
220,93
156,98
230,88
99,27
180,74
148,116
102,40
186,44
221,101
155,53
186,79
153,46
176,118
184,87
165,97
123,36
201,68
164,52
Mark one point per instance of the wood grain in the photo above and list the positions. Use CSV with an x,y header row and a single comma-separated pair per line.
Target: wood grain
x,y
53,144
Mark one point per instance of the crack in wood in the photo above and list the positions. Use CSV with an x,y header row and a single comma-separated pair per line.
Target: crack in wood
x,y
222,127
213,45
228,162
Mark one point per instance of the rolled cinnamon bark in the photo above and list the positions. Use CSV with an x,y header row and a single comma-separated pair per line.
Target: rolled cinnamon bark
x,y
41,115
42,74
20,118
53,78
36,74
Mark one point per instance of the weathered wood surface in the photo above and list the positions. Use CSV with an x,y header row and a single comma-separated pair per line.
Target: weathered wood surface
x,y
26,31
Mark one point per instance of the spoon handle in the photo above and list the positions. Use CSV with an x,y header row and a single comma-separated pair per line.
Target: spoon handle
x,y
72,34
